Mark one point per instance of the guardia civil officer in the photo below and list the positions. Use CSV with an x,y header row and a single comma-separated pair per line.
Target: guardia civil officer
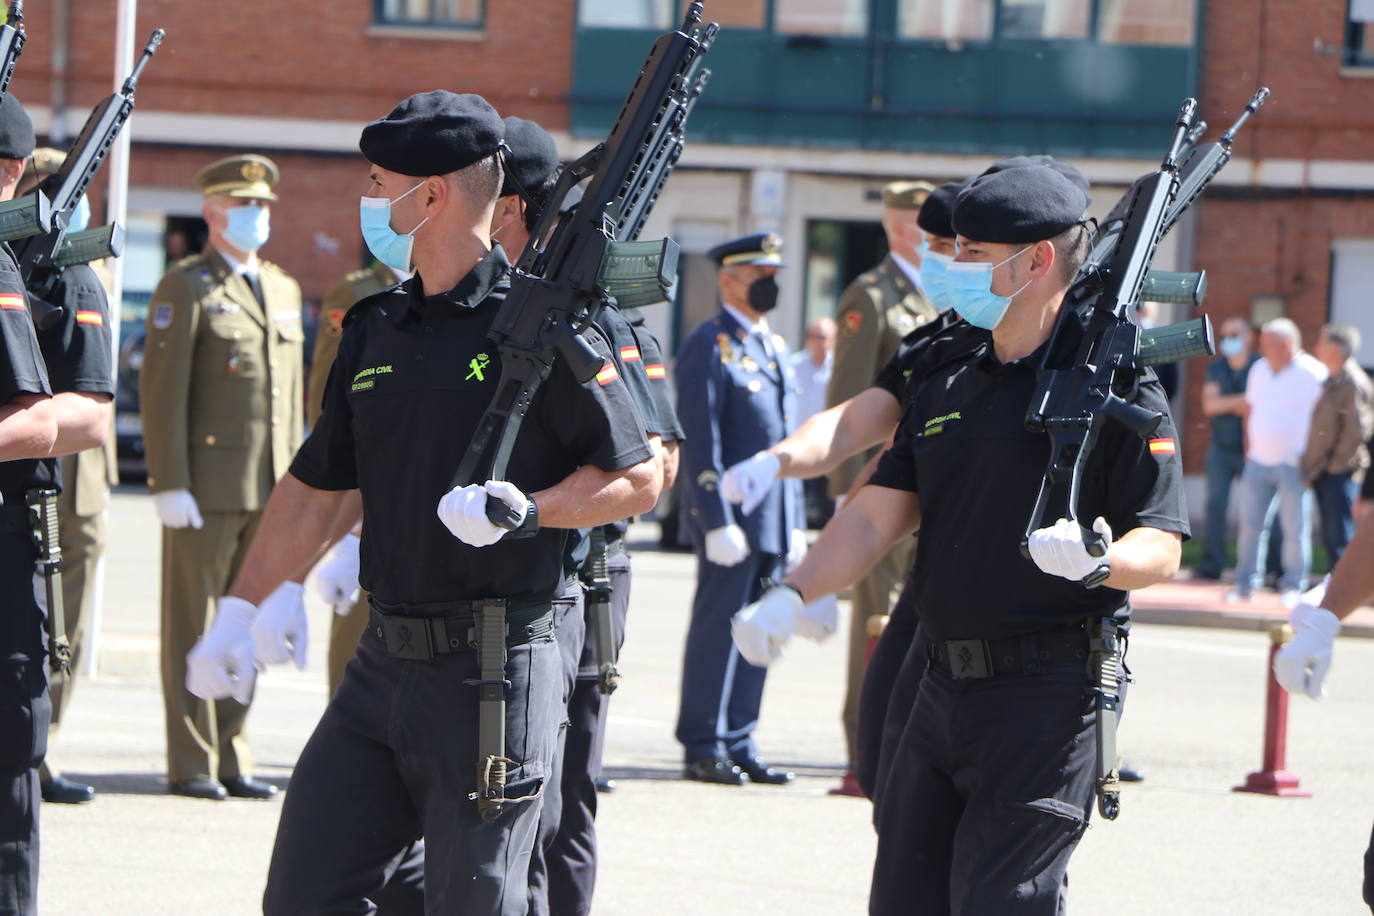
x,y
396,753
56,394
876,311
1002,720
735,397
336,577
86,476
1302,664
857,425
221,399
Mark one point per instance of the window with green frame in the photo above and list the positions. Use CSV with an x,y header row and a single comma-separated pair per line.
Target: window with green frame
x,y
1359,34
1132,22
452,14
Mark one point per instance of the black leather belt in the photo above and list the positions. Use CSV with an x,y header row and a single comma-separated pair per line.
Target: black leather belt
x,y
1030,654
421,638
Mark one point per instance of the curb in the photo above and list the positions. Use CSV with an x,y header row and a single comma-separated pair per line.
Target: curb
x,y
1232,620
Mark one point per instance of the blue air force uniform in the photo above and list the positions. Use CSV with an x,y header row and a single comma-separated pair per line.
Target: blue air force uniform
x,y
737,395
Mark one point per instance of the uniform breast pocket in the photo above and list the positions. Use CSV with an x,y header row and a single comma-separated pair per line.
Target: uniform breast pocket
x,y
233,345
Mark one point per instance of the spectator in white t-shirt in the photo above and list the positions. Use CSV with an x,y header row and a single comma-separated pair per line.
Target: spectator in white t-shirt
x,y
1282,388
812,365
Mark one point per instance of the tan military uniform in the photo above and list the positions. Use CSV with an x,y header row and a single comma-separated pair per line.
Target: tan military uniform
x,y
876,311
221,392
344,629
86,480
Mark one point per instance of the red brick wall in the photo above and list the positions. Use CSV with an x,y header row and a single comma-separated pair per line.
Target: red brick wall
x,y
1277,247
302,59
308,58
1315,113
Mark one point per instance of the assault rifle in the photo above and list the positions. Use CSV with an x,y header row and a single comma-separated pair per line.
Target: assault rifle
x,y
12,38
563,280
43,255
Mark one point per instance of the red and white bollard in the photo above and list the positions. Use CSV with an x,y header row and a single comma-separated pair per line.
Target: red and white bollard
x,y
1274,779
875,626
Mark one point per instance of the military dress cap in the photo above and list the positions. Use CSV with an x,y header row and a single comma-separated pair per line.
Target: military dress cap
x,y
1018,206
16,130
434,133
758,248
1063,168
244,175
906,195
939,207
533,156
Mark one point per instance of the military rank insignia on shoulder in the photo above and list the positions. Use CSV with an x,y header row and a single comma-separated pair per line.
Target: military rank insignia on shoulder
x,y
726,348
162,315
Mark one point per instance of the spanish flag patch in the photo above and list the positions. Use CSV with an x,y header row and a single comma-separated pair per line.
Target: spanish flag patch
x,y
12,302
1163,447
629,354
607,375
655,370
86,317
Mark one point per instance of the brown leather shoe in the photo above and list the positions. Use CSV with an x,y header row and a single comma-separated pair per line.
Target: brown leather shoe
x,y
718,770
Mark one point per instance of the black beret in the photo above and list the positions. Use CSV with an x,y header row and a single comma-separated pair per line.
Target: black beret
x,y
755,248
1016,206
1063,168
533,156
434,133
16,130
939,207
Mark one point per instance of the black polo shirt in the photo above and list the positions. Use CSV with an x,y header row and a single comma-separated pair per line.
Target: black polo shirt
x,y
413,377
896,377
963,446
670,428
22,371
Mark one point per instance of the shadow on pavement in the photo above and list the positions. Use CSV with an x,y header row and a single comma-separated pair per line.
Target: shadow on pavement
x,y
143,783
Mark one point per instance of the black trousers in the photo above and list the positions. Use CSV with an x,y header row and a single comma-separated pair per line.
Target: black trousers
x,y
571,856
882,678
1369,874
394,758
25,713
990,790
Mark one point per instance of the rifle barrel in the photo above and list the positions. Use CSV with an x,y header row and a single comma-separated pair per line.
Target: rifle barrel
x,y
154,41
1259,99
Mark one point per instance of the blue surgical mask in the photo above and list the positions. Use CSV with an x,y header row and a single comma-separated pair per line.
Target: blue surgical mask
x,y
81,216
1232,346
935,278
249,226
970,287
385,243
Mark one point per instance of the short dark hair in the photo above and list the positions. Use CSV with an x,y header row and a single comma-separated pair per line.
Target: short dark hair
x,y
480,182
1071,246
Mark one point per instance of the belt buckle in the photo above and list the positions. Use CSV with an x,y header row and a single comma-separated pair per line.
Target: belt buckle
x,y
968,659
408,637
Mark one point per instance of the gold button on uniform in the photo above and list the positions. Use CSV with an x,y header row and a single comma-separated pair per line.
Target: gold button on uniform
x,y
209,440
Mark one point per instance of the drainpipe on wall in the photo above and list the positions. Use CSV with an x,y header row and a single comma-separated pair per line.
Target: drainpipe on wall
x,y
57,133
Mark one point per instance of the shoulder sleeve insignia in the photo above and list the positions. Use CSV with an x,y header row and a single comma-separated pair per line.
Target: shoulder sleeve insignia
x,y
333,320
162,316
708,479
850,322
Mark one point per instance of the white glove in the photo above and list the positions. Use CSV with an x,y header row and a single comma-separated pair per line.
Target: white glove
x,y
797,546
336,578
1059,549
463,510
281,632
177,509
220,664
1301,665
748,482
763,628
727,546
819,619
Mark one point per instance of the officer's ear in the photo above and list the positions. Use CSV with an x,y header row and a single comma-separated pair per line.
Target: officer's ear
x,y
1043,259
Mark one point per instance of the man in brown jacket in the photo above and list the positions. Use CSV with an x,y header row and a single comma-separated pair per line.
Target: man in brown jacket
x,y
876,311
221,399
1336,457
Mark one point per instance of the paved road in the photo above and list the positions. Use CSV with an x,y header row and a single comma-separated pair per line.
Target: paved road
x,y
1184,844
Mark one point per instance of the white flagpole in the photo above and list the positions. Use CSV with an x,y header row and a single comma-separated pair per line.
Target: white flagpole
x,y
117,210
